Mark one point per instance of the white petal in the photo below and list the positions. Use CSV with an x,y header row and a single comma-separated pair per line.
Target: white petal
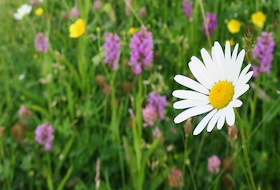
x,y
247,77
200,73
209,64
219,58
183,104
192,112
227,52
196,60
206,58
221,120
216,62
227,61
202,124
238,65
188,94
187,82
239,90
220,52
234,54
213,121
236,103
232,63
230,117
242,74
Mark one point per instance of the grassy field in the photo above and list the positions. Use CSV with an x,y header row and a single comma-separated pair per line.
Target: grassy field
x,y
100,137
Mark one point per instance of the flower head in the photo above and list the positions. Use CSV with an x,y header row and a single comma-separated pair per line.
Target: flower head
x,y
214,164
258,19
23,112
112,48
233,132
209,23
156,133
132,30
44,135
22,11
39,11
18,132
96,5
220,84
263,52
143,12
231,42
233,26
158,103
175,178
75,12
41,42
149,116
154,109
187,7
77,29
35,2
141,54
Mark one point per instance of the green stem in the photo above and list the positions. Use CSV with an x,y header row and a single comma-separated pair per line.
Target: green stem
x,y
245,151
205,22
49,174
137,138
115,124
255,98
185,137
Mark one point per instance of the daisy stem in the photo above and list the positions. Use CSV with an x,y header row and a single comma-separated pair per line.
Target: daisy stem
x,y
255,99
205,22
245,151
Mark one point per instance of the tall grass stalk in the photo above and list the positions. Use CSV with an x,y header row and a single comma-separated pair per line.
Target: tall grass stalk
x,y
245,151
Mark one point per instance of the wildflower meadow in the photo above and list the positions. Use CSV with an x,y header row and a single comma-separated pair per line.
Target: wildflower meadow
x,y
139,94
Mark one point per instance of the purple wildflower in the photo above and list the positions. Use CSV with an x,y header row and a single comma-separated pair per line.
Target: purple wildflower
x,y
143,12
35,2
41,42
210,22
154,109
96,5
214,164
187,8
44,135
141,54
75,12
158,103
149,116
112,48
156,132
175,178
23,113
263,53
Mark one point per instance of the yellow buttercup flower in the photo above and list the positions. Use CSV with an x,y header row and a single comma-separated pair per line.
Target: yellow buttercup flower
x,y
132,30
258,19
233,26
39,11
77,29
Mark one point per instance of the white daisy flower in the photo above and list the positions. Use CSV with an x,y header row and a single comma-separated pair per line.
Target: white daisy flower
x,y
23,10
220,84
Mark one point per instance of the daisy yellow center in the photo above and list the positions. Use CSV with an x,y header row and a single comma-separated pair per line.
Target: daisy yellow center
x,y
221,94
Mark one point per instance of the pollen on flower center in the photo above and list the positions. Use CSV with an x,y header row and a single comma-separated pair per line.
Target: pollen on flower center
x,y
221,94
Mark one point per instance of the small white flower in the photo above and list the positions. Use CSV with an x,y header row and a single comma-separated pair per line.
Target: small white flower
x,y
23,10
220,84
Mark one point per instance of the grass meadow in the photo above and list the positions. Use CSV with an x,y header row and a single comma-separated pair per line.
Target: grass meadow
x,y
70,119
